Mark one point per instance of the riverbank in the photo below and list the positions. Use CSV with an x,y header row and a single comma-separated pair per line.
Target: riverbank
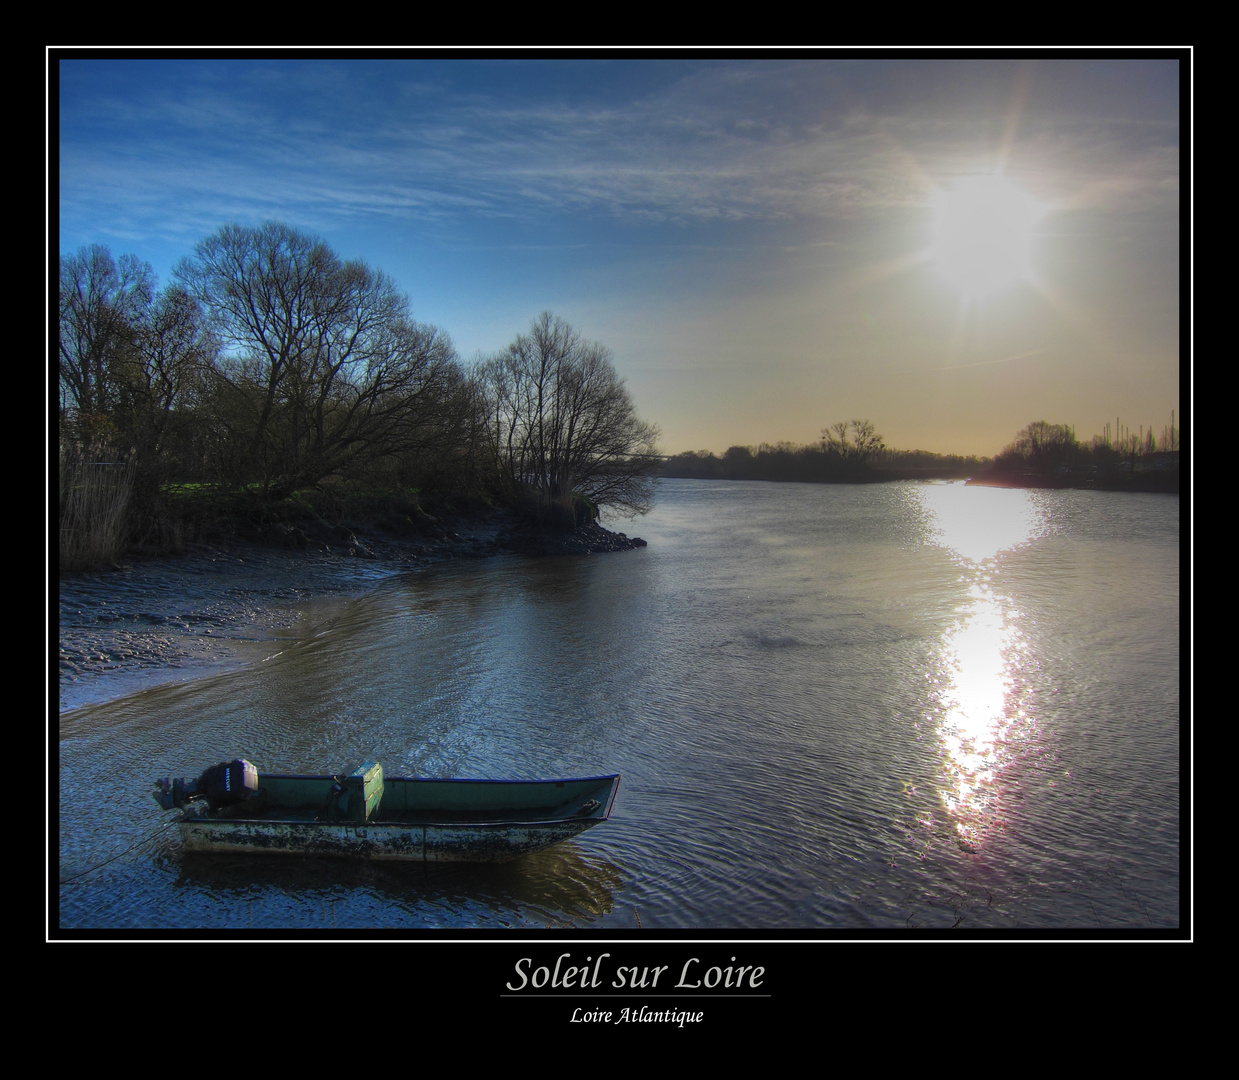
x,y
1147,481
148,621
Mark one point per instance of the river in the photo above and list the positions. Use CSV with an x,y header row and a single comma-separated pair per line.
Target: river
x,y
907,706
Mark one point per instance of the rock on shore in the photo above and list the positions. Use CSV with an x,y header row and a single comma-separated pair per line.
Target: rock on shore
x,y
586,540
433,539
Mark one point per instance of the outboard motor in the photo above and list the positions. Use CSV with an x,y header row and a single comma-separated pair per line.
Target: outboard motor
x,y
221,785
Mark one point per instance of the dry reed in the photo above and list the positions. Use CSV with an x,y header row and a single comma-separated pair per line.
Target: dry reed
x,y
94,497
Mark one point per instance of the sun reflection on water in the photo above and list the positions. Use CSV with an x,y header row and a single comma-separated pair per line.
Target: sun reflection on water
x,y
976,524
977,712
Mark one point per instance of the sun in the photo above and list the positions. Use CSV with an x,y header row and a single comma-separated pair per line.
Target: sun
x,y
984,229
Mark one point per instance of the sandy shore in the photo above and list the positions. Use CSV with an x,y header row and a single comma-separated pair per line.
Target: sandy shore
x,y
153,621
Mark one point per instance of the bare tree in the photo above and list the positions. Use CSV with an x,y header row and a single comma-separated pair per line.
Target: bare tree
x,y
1041,448
323,364
855,442
129,357
562,423
103,304
174,354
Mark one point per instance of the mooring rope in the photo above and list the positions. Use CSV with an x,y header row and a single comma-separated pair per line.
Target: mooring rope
x,y
137,843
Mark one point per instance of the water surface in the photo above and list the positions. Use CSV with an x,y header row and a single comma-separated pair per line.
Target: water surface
x,y
874,707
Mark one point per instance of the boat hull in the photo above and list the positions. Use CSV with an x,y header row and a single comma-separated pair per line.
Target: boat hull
x,y
497,842
420,821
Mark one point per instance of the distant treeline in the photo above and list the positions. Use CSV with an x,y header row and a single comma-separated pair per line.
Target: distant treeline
x,y
810,464
849,452
1050,455
1043,449
1042,454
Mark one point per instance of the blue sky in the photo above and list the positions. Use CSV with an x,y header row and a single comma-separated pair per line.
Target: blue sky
x,y
753,238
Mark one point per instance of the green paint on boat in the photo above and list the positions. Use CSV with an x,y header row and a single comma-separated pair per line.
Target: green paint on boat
x,y
364,815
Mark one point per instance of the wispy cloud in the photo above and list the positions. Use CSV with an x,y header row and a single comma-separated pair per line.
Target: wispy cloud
x,y
724,142
761,222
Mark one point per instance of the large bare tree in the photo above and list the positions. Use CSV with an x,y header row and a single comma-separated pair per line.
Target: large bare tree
x,y
562,423
323,364
864,445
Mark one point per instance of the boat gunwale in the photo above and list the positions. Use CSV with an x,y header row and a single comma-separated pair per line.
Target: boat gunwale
x,y
416,817
445,779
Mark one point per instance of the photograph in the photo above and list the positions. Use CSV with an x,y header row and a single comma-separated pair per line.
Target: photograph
x,y
642,513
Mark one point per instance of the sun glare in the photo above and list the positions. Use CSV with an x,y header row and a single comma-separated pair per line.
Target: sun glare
x,y
984,229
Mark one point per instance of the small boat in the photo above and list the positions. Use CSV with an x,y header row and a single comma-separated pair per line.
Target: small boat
x,y
232,807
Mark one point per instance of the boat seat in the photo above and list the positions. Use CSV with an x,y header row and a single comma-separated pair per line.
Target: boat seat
x,y
356,797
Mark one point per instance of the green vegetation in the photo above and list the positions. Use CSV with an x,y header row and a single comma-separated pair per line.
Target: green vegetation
x,y
274,379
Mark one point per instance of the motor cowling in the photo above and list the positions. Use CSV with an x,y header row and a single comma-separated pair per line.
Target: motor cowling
x,y
224,784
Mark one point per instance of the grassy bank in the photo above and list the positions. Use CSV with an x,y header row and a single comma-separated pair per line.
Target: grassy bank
x,y
102,524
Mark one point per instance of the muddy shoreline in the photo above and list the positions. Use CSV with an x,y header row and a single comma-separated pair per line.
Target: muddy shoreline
x,y
150,621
